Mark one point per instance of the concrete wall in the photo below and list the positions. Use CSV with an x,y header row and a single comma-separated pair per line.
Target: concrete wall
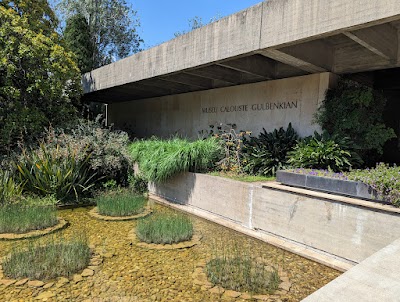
x,y
325,222
187,114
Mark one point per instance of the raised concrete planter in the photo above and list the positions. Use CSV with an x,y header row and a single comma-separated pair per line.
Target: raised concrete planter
x,y
349,228
330,185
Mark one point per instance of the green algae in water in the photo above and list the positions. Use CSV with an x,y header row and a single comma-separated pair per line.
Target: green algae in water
x,y
165,229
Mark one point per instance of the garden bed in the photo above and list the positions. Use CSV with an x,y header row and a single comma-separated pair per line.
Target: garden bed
x,y
331,185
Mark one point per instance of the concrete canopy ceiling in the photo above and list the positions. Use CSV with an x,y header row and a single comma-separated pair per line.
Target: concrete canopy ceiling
x,y
236,50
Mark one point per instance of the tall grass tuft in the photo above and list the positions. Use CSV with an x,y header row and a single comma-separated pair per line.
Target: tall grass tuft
x,y
234,267
17,218
120,204
160,159
165,229
43,261
10,191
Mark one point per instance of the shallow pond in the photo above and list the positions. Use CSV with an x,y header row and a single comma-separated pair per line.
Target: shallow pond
x,y
139,274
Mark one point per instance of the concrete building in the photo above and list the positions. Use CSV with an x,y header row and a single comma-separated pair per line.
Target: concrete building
x,y
265,66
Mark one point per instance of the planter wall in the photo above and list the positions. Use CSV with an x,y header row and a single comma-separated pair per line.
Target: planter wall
x,y
330,185
341,226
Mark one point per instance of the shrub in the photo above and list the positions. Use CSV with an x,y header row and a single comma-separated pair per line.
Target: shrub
x,y
138,184
321,152
120,204
10,191
55,172
165,229
267,153
48,260
234,268
108,149
356,111
159,159
384,179
18,218
231,141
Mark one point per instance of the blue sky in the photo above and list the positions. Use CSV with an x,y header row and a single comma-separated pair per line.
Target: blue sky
x,y
161,19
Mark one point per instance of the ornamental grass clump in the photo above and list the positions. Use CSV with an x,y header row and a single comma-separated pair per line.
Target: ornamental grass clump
x,y
161,159
384,179
48,260
10,190
165,229
18,218
121,204
234,268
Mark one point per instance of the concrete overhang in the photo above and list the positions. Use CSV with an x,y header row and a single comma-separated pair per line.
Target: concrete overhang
x,y
271,40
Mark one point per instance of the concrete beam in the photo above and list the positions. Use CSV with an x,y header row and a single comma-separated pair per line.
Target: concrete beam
x,y
256,65
221,73
285,58
382,40
189,79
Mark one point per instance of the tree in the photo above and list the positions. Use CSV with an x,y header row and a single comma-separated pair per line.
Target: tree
x,y
196,23
40,83
356,111
78,40
112,25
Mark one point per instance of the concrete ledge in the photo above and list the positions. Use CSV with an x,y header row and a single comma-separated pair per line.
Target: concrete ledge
x,y
296,248
374,279
345,228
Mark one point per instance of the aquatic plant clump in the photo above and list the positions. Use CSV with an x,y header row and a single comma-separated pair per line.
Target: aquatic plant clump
x,y
165,229
47,261
17,218
161,159
121,204
242,275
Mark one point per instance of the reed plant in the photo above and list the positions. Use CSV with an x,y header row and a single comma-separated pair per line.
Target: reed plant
x,y
236,268
10,191
165,228
122,203
161,159
48,260
18,218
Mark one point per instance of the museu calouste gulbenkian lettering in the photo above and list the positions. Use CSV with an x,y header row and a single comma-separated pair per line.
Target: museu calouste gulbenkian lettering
x,y
263,67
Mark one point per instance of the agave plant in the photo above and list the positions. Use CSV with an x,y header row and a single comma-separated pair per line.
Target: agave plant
x,y
54,172
267,153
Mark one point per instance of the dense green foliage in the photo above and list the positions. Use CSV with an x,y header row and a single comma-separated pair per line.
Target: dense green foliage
x,y
120,203
356,111
57,172
165,229
40,83
138,184
243,177
384,179
161,159
10,190
267,153
112,26
49,260
78,40
17,218
321,152
109,157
